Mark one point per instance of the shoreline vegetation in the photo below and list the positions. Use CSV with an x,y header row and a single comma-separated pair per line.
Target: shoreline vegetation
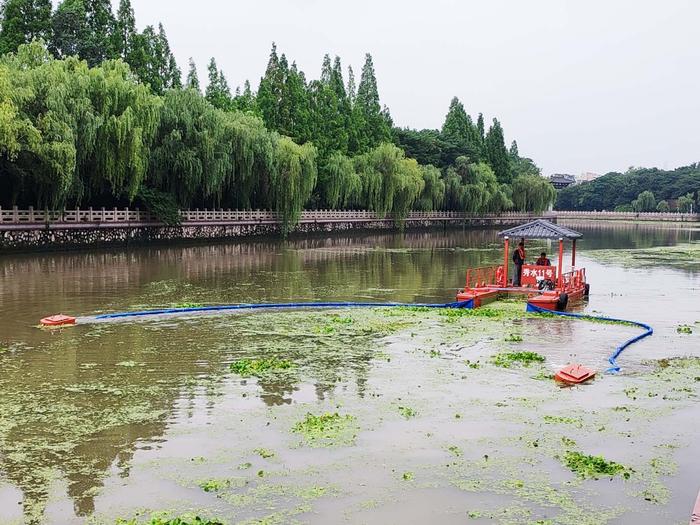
x,y
638,190
95,113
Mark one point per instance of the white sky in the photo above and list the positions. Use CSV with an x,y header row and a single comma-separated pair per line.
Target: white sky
x,y
595,85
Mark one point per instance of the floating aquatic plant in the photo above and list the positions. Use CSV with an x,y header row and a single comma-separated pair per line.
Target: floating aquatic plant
x,y
187,305
514,338
593,466
684,329
408,412
563,420
183,520
264,453
507,359
259,367
216,485
327,428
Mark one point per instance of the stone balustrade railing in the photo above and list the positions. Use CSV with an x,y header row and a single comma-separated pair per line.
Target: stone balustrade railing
x,y
128,216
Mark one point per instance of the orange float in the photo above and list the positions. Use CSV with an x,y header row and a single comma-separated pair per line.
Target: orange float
x,y
58,320
574,374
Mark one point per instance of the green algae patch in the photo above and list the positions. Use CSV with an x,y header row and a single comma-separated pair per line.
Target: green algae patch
x,y
187,305
408,412
264,453
455,451
686,255
327,429
408,476
593,467
182,520
497,311
508,359
217,485
260,367
563,420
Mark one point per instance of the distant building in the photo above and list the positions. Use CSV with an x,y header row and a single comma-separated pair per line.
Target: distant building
x,y
562,180
587,177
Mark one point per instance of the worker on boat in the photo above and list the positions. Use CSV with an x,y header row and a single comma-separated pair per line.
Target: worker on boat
x,y
518,261
543,261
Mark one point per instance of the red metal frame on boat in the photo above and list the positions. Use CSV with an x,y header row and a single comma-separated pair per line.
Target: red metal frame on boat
x,y
484,276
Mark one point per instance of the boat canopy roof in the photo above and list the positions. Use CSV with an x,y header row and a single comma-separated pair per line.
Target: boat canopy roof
x,y
541,229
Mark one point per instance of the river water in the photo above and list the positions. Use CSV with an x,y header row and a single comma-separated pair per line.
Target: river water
x,y
116,420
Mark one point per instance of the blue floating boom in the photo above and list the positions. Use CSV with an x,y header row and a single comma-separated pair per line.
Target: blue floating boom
x,y
614,367
260,306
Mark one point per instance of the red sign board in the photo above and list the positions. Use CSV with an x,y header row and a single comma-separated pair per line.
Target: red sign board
x,y
533,274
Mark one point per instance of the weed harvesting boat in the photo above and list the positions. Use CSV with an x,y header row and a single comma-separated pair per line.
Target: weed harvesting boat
x,y
545,287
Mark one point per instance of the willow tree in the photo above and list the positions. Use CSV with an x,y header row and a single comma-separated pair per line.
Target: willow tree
x,y
339,184
293,179
19,138
433,195
474,188
532,193
252,161
390,181
190,157
115,157
410,185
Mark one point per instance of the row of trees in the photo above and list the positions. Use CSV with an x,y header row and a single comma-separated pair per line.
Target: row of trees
x,y
646,202
90,30
94,112
638,189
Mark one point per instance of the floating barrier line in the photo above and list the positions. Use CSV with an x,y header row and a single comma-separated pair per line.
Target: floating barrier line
x,y
614,367
259,306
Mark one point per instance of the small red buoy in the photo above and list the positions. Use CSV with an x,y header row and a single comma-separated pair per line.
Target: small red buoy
x,y
57,320
574,374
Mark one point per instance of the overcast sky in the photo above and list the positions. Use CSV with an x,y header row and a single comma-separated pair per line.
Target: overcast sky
x,y
596,85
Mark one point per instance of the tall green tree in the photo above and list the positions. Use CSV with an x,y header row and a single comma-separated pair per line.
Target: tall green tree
x,y
245,101
352,88
218,92
369,126
459,129
69,29
270,91
192,81
330,109
125,32
101,39
496,153
22,21
153,62
480,128
295,112
513,151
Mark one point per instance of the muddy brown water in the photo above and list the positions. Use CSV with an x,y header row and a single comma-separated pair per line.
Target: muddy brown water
x,y
117,420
